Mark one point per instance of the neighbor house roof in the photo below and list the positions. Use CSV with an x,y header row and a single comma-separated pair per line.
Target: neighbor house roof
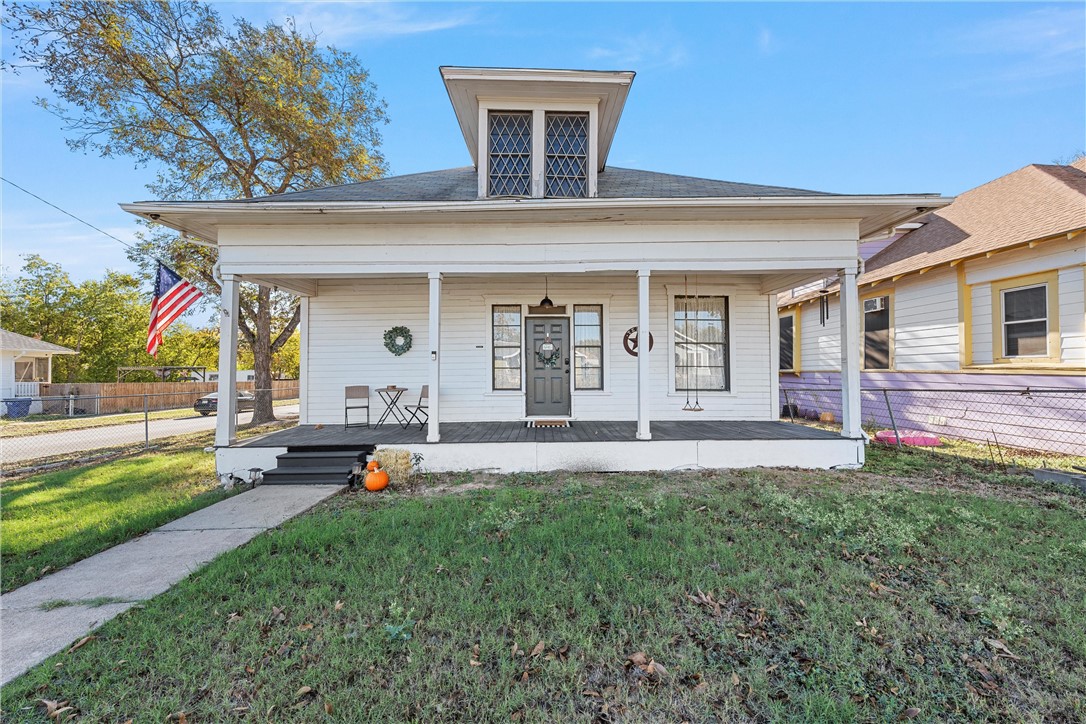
x,y
12,342
1034,203
461,184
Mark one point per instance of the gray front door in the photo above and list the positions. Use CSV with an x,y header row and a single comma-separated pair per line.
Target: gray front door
x,y
548,366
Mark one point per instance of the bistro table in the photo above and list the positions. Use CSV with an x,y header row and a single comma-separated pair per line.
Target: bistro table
x,y
391,397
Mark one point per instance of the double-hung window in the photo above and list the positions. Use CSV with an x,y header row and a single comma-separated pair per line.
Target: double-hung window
x,y
506,323
787,324
701,344
1025,321
588,347
877,346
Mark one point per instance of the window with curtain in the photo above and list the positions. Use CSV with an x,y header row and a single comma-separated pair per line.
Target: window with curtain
x,y
1025,321
510,151
566,155
588,347
506,362
701,344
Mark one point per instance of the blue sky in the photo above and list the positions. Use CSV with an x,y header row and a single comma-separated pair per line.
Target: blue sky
x,y
847,97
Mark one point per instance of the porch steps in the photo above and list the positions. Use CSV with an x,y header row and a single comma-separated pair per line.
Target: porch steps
x,y
308,466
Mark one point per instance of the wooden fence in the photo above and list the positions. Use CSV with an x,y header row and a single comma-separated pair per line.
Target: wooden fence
x,y
100,398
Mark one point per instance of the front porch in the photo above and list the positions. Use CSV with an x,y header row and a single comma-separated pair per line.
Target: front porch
x,y
608,446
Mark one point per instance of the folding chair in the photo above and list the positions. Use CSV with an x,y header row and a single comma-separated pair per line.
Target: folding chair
x,y
419,413
356,397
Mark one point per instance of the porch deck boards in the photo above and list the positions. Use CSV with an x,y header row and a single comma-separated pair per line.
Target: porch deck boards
x,y
578,431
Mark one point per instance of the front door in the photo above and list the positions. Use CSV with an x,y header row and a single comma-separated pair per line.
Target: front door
x,y
548,357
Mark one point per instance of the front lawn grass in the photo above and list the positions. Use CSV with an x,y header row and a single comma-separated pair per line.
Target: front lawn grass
x,y
51,520
763,595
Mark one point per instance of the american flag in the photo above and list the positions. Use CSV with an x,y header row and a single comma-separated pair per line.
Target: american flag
x,y
173,295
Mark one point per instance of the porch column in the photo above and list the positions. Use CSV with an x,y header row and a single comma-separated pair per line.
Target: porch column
x,y
225,420
850,356
432,432
643,382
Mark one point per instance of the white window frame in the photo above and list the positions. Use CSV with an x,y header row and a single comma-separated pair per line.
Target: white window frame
x,y
1003,321
538,110
488,308
732,294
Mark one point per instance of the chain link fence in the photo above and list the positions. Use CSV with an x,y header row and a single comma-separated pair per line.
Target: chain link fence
x,y
1048,420
37,431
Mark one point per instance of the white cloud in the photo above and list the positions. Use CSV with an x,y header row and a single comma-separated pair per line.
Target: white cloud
x,y
342,21
643,51
767,42
1042,45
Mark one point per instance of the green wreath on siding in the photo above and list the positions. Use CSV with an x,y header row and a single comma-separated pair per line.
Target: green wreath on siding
x,y
398,340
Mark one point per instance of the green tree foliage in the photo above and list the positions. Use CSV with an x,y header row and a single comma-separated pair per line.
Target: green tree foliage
x,y
221,110
105,321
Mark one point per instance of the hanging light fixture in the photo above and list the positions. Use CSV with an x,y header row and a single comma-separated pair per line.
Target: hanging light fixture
x,y
546,302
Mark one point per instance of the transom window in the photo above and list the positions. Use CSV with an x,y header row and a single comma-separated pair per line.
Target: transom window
x,y
588,347
701,344
506,362
510,164
1025,321
566,162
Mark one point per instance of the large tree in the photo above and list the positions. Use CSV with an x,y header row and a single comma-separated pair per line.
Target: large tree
x,y
220,110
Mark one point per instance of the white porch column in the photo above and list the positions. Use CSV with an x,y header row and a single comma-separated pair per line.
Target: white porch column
x,y
225,420
850,356
433,434
643,380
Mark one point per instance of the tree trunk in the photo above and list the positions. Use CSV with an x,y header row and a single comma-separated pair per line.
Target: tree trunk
x,y
262,359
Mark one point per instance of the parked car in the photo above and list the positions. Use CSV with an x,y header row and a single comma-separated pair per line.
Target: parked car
x,y
210,403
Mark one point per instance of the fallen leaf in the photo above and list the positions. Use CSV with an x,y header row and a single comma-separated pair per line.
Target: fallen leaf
x,y
328,707
515,650
638,658
339,605
735,679
911,713
81,643
537,650
302,692
919,659
473,662
1001,649
305,627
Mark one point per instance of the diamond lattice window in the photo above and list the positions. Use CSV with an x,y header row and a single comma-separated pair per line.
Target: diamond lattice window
x,y
567,155
510,154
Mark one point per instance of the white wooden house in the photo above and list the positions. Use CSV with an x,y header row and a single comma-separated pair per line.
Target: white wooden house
x,y
463,258
26,363
986,294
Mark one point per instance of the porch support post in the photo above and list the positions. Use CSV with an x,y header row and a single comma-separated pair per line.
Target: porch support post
x,y
850,356
432,432
643,382
226,420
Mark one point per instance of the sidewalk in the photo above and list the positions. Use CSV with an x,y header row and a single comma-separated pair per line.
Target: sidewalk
x,y
136,571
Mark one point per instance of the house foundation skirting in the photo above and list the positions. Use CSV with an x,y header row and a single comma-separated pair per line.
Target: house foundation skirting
x,y
624,456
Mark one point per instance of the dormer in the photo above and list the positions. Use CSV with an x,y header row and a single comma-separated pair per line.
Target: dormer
x,y
537,133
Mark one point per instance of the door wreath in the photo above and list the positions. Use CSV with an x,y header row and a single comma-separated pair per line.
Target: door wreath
x,y
548,353
398,340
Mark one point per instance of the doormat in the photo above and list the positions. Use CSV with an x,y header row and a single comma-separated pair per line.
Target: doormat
x,y
548,423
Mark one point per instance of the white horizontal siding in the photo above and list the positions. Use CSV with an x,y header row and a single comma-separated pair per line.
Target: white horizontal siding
x,y
347,320
820,345
924,310
982,324
1072,316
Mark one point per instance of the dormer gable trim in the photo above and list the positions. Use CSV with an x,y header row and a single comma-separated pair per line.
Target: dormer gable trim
x,y
469,88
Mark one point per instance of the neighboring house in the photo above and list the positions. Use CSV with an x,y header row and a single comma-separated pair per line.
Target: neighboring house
x,y
25,364
984,294
526,282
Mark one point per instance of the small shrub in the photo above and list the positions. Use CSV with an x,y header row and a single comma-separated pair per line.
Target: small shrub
x,y
400,623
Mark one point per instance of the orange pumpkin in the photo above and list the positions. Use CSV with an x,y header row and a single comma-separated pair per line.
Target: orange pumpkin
x,y
376,480
372,465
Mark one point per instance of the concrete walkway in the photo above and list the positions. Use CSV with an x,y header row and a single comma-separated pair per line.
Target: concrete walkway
x,y
136,571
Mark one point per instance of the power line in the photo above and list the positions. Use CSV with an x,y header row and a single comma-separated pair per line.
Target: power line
x,y
81,221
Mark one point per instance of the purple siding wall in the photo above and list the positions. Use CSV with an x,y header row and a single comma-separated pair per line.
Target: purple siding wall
x,y
1038,412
